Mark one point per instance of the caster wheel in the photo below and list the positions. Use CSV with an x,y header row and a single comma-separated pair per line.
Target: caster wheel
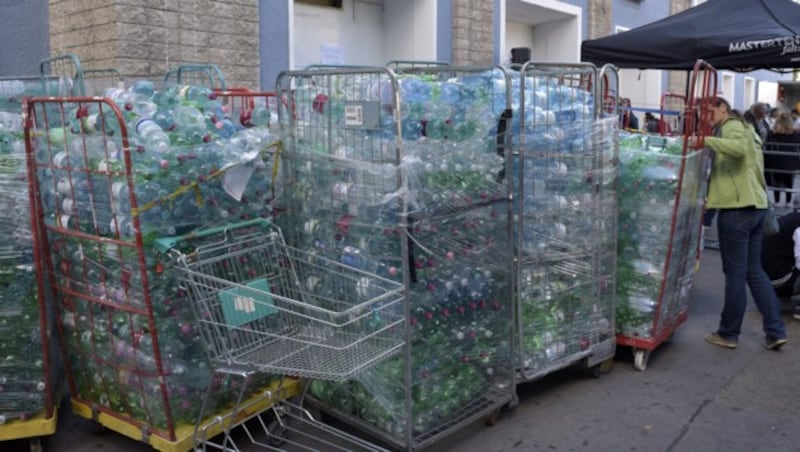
x,y
278,434
36,445
640,358
492,418
602,368
606,366
511,405
98,428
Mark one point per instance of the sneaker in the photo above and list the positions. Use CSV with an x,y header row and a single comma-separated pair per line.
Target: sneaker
x,y
774,344
796,313
716,339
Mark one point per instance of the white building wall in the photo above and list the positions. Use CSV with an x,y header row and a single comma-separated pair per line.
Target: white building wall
x,y
557,41
409,30
350,35
364,32
517,35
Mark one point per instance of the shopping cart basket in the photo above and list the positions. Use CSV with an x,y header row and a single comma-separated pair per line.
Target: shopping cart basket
x,y
265,307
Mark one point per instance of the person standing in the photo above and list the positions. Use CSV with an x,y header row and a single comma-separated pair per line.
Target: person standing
x,y
737,190
773,116
759,111
780,257
779,163
650,123
627,119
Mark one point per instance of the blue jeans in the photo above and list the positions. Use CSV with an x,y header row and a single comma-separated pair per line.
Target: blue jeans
x,y
740,233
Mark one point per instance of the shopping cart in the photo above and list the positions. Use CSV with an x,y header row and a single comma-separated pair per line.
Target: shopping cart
x,y
264,307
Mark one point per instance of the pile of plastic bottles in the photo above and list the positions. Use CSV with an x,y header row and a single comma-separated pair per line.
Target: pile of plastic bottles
x,y
190,163
650,186
23,371
434,166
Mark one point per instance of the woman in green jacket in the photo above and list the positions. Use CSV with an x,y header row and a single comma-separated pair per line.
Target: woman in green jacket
x,y
738,191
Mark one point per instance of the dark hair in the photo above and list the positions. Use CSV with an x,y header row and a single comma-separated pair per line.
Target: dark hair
x,y
748,116
784,125
718,101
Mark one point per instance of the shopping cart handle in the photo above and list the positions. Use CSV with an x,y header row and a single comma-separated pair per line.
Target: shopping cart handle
x,y
165,244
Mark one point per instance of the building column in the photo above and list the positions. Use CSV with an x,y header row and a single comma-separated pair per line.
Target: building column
x,y
473,35
676,80
144,40
599,19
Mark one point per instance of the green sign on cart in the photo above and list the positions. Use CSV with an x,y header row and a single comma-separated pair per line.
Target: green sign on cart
x,y
243,305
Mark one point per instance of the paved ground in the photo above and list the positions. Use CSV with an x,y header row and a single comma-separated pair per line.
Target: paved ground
x,y
692,397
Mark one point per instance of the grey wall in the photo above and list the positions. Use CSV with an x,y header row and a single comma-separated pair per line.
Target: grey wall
x,y
444,31
24,34
274,40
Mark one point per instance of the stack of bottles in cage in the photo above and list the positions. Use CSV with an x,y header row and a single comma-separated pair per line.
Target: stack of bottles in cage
x,y
23,379
351,184
563,184
193,164
650,173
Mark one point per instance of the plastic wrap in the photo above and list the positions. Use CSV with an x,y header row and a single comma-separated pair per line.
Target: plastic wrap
x,y
28,372
404,177
658,241
564,177
134,350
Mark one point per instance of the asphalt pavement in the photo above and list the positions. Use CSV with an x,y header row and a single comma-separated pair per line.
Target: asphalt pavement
x,y
693,396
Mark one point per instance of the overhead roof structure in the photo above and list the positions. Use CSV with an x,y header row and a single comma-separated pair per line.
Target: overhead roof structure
x,y
738,35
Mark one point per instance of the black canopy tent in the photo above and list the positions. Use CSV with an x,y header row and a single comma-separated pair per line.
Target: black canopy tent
x,y
739,35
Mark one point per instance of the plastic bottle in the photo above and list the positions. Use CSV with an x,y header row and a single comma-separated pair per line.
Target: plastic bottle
x,y
190,124
10,122
259,117
151,134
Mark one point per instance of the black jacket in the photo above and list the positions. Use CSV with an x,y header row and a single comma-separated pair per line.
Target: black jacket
x,y
777,251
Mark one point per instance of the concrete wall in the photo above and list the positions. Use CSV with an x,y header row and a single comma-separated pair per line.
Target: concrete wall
x,y
600,18
410,30
274,38
24,34
146,38
677,80
473,34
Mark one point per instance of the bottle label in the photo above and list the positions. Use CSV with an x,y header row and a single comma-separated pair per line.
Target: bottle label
x,y
89,123
119,190
142,123
61,160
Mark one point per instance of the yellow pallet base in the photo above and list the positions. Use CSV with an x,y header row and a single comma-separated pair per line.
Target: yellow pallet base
x,y
39,425
184,433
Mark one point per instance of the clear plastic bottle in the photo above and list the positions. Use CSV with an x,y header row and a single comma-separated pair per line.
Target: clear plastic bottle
x,y
152,136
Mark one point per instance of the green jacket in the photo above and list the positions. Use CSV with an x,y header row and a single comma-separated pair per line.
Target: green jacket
x,y
737,177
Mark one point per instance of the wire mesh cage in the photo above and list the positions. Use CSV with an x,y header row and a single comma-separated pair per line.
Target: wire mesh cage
x,y
402,173
96,81
662,195
62,75
31,371
410,64
671,120
564,228
208,75
104,194
263,304
250,108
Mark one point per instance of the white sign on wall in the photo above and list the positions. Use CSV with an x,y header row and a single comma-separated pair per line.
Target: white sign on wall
x,y
331,54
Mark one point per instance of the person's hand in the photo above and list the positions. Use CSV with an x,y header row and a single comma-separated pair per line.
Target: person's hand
x,y
693,141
